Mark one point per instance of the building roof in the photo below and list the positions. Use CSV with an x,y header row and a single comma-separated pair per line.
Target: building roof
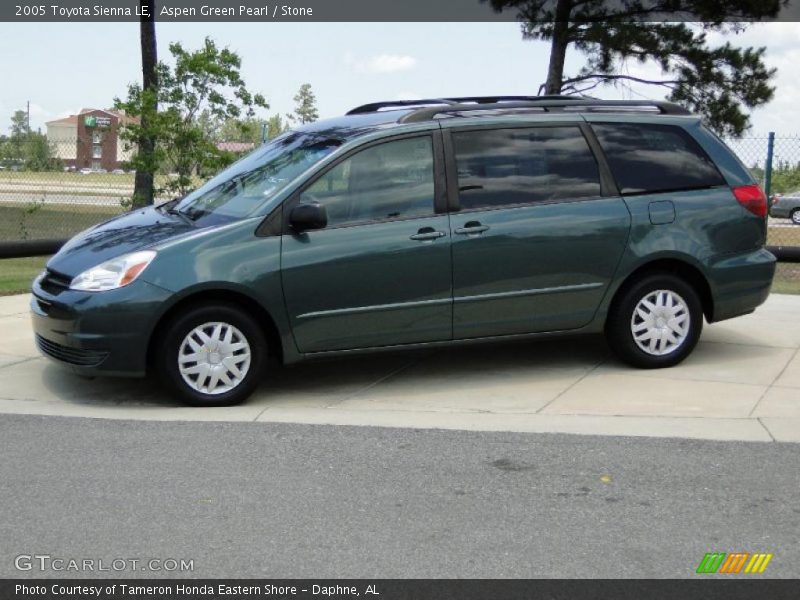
x,y
236,147
73,119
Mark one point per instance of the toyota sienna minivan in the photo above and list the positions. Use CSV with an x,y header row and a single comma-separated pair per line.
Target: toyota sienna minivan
x,y
417,224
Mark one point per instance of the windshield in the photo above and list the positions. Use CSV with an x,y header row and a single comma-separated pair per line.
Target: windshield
x,y
245,186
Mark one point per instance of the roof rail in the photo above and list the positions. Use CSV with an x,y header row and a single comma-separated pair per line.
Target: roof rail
x,y
571,104
429,109
376,106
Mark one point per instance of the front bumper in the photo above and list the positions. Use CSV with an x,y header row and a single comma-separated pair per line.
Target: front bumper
x,y
97,333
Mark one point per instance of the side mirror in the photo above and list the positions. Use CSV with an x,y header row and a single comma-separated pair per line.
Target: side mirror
x,y
307,216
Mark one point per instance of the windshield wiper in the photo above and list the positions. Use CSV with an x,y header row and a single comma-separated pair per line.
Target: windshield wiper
x,y
178,213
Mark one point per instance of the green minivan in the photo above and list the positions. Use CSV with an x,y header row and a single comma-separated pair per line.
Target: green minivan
x,y
416,224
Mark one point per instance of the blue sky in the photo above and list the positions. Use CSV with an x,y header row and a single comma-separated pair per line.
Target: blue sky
x,y
63,67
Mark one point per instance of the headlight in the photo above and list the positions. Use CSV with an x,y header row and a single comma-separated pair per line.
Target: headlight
x,y
113,273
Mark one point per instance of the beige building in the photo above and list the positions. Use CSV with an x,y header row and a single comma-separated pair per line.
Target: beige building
x,y
90,139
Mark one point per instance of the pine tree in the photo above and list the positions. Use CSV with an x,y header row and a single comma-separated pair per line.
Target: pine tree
x,y
305,106
720,82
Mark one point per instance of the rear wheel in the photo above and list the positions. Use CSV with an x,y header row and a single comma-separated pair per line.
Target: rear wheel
x,y
655,322
796,216
212,356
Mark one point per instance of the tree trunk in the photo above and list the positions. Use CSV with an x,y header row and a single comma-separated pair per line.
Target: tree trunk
x,y
143,190
558,47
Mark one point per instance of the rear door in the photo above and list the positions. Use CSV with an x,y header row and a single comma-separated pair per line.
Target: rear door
x,y
538,232
380,273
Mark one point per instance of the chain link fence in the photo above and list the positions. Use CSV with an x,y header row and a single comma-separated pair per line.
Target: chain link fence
x,y
50,189
774,159
775,162
53,189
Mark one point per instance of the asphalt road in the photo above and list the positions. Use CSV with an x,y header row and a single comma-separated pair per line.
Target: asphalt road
x,y
277,500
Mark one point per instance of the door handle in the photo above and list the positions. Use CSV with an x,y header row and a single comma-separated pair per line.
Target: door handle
x,y
427,233
472,227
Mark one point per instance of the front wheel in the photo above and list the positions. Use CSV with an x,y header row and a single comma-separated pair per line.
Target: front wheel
x,y
212,356
656,322
796,216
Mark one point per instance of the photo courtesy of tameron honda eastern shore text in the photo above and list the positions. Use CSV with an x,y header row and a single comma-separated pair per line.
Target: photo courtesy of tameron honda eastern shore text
x,y
416,224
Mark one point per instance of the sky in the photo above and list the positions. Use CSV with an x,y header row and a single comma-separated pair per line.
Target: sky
x,y
61,68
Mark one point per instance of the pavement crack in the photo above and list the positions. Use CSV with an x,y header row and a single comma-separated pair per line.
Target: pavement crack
x,y
771,385
570,386
769,433
22,359
389,375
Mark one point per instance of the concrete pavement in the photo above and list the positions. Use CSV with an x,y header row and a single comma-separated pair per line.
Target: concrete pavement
x,y
741,383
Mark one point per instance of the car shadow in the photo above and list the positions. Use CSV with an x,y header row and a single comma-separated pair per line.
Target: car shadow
x,y
322,382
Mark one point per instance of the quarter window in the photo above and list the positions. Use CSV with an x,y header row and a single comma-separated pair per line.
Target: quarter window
x,y
650,158
503,167
393,180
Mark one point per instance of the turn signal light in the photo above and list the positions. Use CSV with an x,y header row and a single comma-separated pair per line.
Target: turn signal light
x,y
752,198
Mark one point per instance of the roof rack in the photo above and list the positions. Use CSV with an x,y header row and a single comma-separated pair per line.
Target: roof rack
x,y
399,104
429,109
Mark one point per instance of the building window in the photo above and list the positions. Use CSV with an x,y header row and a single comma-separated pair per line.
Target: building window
x,y
97,151
97,137
96,166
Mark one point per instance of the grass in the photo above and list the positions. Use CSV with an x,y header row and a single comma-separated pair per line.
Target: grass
x,y
123,181
784,236
787,279
55,222
51,221
111,179
16,274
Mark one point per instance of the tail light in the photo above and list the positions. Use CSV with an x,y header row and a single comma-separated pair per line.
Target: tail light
x,y
752,198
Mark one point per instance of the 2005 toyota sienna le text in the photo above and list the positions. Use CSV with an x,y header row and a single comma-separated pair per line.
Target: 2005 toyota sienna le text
x,y
401,225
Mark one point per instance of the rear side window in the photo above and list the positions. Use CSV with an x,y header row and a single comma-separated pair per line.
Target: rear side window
x,y
500,167
647,158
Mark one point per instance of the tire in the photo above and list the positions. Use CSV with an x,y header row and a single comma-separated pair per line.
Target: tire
x,y
795,216
674,339
201,353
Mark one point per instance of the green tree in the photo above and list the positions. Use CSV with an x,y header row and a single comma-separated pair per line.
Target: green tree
x,y
205,80
38,154
19,124
241,130
786,178
305,106
19,132
276,126
6,151
719,82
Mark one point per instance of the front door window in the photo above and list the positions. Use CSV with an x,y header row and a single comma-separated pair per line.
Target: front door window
x,y
390,181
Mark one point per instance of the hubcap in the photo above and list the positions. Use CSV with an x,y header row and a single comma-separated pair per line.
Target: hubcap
x,y
796,217
214,358
660,322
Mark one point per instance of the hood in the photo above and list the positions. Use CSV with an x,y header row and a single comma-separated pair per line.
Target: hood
x,y
127,233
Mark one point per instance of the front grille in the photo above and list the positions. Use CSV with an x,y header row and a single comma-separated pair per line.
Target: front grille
x,y
73,356
54,282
